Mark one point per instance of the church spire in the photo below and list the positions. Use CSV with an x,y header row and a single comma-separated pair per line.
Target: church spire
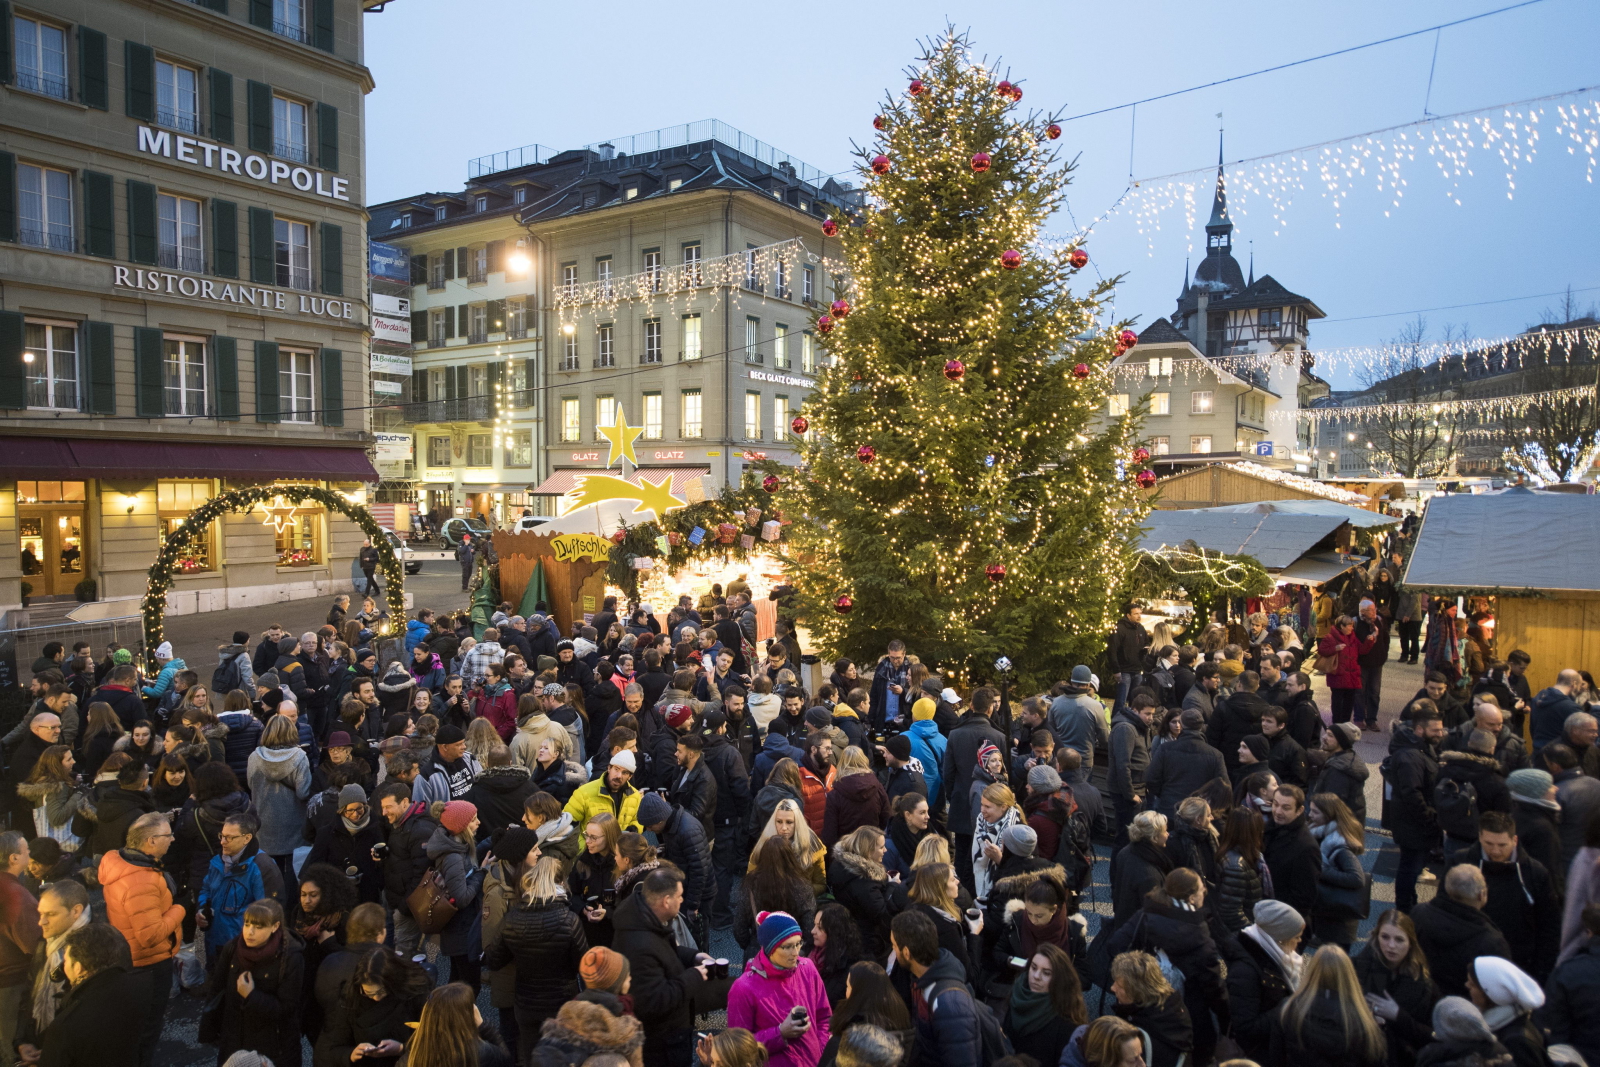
x,y
1252,280
1219,223
1183,291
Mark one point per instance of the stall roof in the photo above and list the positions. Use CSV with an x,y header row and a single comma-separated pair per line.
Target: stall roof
x,y
1354,516
1518,539
1276,539
1315,568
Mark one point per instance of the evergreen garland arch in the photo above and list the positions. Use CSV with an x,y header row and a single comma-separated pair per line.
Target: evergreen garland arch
x,y
153,609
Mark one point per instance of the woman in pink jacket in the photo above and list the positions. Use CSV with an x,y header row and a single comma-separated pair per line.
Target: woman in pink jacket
x,y
1344,679
777,983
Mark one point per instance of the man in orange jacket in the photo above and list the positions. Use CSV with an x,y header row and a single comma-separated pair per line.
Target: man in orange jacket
x,y
139,904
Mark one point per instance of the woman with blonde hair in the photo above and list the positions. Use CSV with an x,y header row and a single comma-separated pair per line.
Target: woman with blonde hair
x,y
933,892
451,1033
733,1047
52,789
1148,1001
932,849
996,812
860,882
1344,893
857,798
481,737
1107,1042
1326,1021
788,822
544,938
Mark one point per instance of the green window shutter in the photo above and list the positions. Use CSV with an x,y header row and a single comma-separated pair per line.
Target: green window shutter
x,y
100,356
13,375
419,270
261,13
141,223
450,264
328,137
322,24
529,367
496,250
99,214
258,102
497,376
5,43
94,83
419,386
462,263
266,381
225,372
148,398
419,327
221,86
449,384
332,361
449,321
225,238
263,264
332,258
139,65
8,187
496,314
217,5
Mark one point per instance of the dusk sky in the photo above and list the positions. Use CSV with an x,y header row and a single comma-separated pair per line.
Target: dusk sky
x,y
456,81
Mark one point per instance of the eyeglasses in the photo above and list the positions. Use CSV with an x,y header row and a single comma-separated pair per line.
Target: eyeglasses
x,y
233,837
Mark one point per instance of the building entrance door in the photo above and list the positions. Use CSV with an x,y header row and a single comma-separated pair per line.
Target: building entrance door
x,y
52,526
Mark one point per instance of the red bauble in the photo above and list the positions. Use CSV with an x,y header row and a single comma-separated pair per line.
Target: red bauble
x,y
955,370
1081,370
1146,478
799,424
770,483
916,87
824,323
1016,93
620,536
880,165
829,227
866,453
1052,131
880,122
1011,259
1003,89
1079,258
844,604
1141,454
1120,350
980,162
995,572
1127,338
840,308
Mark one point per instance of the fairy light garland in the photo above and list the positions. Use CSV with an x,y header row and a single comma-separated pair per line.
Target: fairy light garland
x,y
1476,409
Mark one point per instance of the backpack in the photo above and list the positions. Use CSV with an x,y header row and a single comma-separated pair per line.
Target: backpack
x,y
319,810
226,678
1457,806
993,1044
1075,851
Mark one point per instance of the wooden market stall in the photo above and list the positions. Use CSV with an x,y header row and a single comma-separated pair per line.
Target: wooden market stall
x,y
1242,482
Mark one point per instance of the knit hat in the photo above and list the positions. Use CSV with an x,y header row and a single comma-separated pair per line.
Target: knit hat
x,y
818,717
340,739
1043,779
457,814
679,715
241,637
286,647
773,928
1530,783
351,794
985,750
625,760
268,679
1082,678
513,843
898,746
922,709
1277,920
1020,839
653,808
1456,1019
1505,983
365,654
1229,669
121,656
553,689
1347,733
449,734
1257,744
164,649
602,968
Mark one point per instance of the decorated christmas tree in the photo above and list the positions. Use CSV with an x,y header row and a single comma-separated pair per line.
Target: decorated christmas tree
x,y
956,492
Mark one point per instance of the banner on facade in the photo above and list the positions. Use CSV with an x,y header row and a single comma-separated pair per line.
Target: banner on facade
x,y
381,386
388,262
398,306
392,447
392,331
385,363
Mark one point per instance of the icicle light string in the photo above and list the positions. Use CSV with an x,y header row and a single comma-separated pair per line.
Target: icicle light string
x,y
1479,409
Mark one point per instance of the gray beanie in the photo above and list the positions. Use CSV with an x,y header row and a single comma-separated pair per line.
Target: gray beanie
x,y
1043,779
1530,783
351,794
1020,840
1456,1019
653,809
1348,734
1277,920
268,679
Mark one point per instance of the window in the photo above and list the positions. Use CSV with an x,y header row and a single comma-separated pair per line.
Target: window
x,y
808,284
45,202
752,340
294,387
652,416
41,58
752,416
1160,446
180,245
605,414
1200,402
691,263
780,418
1118,404
605,355
51,356
780,346
652,268
751,279
1200,443
602,275
672,186
569,280
439,451
174,502
436,330
1269,318
652,341
808,353
1161,403
436,271
571,419
519,448
780,279
692,347
439,379
183,373
520,196
297,542
516,318
1160,366
289,137
478,265
481,204
516,383
293,241
289,18
480,450
177,97
439,213
693,426
569,351
478,326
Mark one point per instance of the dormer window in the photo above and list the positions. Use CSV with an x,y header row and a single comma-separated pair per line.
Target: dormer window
x,y
439,213
630,192
672,186
1218,240
482,204
521,196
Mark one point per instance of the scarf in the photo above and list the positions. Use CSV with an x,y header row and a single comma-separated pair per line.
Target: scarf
x,y
984,831
1288,962
357,827
311,932
265,951
47,992
905,839
1331,841
1030,1011
1031,937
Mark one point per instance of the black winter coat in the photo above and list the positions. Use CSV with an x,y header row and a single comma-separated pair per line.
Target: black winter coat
x,y
1524,906
1571,996
337,845
1413,1028
1322,1042
1239,890
498,793
1287,759
546,943
1345,776
683,843
863,887
1170,1028
1194,848
1413,770
1256,988
960,759
667,991
268,1022
1539,837
1125,647
1294,859
855,801
96,1021
1452,935
407,857
368,1022
1185,936
1305,720
592,876
117,810
1234,719
1178,768
1136,869
195,833
695,791
1483,772
728,769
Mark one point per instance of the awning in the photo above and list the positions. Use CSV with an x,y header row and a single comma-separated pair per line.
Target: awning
x,y
1318,567
111,458
562,482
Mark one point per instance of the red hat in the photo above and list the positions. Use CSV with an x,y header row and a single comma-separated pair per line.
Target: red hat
x,y
678,715
457,815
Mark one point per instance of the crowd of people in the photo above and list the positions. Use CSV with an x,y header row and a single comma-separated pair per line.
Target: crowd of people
x,y
337,841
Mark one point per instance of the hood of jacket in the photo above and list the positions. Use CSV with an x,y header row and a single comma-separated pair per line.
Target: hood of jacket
x,y
1015,885
536,723
859,866
1349,763
278,764
117,802
228,650
218,809
503,779
927,730
442,843
37,793
857,788
396,679
946,966
1468,765
1402,737
776,743
634,914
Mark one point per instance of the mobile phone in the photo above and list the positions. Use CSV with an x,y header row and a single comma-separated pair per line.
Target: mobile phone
x,y
1017,961
799,1014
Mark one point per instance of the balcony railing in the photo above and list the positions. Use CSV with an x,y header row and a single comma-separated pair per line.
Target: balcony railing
x,y
782,292
477,277
752,356
650,357
47,84
478,337
182,259
473,409
603,362
436,342
515,332
188,122
570,363
56,242
292,31
289,150
437,281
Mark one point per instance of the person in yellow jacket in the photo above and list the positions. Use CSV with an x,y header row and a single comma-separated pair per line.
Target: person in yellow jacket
x,y
609,793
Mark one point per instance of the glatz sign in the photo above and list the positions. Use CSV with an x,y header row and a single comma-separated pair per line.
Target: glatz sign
x,y
231,161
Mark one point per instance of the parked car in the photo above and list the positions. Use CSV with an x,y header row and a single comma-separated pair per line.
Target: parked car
x,y
455,527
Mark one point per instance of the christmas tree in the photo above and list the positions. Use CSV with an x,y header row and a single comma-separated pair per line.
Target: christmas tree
x,y
956,492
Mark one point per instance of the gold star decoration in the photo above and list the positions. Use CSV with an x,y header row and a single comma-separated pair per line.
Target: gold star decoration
x,y
621,437
654,497
279,516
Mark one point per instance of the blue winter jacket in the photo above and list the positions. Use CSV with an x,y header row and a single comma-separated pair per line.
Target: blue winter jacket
x,y
775,748
229,890
927,745
164,679
244,736
416,632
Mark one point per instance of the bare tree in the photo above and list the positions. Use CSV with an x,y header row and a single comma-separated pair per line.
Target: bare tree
x,y
1558,439
1413,441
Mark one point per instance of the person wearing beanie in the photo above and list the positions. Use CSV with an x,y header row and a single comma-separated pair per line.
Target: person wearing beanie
x,y
446,773
1344,773
780,979
541,938
1507,997
906,774
1019,840
1182,765
611,792
1049,808
121,656
1263,971
1461,1036
606,970
922,709
1254,750
234,670
340,766
683,844
452,853
1534,806
927,747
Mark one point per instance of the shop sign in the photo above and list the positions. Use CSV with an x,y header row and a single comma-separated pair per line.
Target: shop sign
x,y
569,548
585,457
384,363
381,386
398,306
670,453
779,379
391,330
238,295
392,447
231,161
388,262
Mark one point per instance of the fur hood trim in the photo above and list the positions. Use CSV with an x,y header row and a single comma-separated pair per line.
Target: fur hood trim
x,y
1017,884
1461,756
860,866
594,1030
